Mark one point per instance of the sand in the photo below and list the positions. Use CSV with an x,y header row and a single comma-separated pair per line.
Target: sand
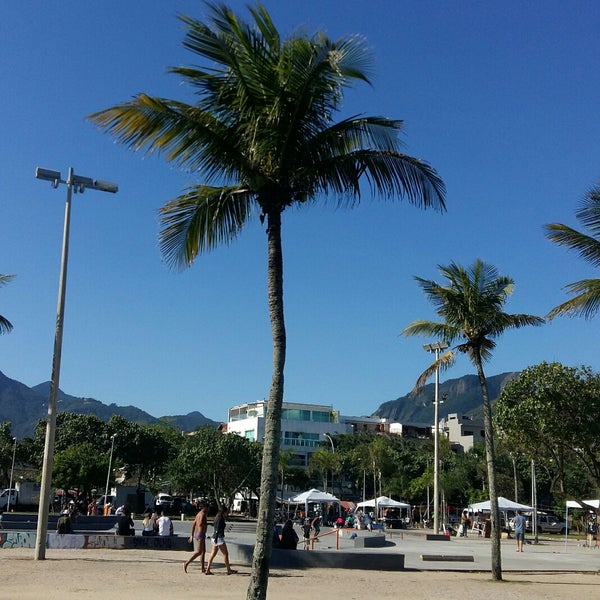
x,y
98,574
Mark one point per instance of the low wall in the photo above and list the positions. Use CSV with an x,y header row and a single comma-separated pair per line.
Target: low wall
x,y
306,559
26,539
81,523
240,554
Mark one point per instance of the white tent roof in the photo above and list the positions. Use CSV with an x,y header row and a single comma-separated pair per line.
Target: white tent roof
x,y
383,502
575,504
313,495
503,504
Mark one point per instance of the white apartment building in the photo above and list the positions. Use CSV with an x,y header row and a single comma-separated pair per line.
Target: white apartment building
x,y
304,427
462,431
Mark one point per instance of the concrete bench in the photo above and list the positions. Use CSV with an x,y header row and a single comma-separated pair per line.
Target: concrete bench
x,y
448,557
437,537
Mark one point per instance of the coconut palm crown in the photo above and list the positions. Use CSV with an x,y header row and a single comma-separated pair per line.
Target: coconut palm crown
x,y
261,136
586,293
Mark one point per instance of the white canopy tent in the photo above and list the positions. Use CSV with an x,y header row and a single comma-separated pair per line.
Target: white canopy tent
x,y
504,507
504,504
382,502
315,496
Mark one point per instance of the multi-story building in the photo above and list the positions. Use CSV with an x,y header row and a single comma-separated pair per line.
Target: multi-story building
x,y
462,431
304,427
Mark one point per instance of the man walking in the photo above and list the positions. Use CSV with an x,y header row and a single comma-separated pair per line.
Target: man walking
x,y
198,537
520,530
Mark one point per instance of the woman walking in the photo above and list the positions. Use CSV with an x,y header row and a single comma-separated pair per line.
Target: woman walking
x,y
218,542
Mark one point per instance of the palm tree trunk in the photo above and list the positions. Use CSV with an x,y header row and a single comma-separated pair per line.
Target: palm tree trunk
x,y
491,468
257,590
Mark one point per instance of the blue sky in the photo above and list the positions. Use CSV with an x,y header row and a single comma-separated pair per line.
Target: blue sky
x,y
501,98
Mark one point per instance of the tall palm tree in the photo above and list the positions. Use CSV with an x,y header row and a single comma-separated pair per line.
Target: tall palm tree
x,y
5,324
262,136
586,301
470,305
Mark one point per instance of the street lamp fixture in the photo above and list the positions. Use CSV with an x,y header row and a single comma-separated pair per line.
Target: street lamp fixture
x,y
12,468
436,348
77,184
330,441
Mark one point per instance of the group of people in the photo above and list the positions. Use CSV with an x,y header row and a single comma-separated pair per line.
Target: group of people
x,y
152,524
356,520
198,537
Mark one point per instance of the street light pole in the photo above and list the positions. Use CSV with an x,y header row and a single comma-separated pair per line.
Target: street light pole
x,y
437,347
332,452
12,468
112,447
79,184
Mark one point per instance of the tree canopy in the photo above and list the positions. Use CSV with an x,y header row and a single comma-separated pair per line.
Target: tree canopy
x,y
550,413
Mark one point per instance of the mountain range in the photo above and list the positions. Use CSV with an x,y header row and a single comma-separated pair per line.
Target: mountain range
x,y
24,406
461,396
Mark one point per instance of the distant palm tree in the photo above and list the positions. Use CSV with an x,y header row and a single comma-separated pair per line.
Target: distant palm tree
x,y
5,324
262,136
470,305
586,302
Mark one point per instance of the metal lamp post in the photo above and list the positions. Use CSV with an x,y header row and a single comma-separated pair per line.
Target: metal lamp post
x,y
12,468
436,348
79,184
112,447
332,452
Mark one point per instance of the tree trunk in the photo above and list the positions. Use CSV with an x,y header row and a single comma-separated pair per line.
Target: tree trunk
x,y
259,578
491,468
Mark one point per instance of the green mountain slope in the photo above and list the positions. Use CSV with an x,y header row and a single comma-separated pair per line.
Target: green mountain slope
x,y
461,396
23,406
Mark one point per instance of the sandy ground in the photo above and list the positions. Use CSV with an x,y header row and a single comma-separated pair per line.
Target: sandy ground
x,y
92,574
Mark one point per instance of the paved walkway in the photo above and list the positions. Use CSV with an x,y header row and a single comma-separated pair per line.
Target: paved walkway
x,y
550,554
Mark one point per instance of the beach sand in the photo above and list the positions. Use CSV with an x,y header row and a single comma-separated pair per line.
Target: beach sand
x,y
149,575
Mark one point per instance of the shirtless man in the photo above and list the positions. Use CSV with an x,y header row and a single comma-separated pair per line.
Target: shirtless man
x,y
198,536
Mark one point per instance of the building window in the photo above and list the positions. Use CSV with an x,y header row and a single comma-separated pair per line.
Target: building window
x,y
301,440
295,414
249,435
321,416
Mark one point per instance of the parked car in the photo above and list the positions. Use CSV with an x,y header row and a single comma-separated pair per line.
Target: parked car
x,y
163,501
546,523
182,505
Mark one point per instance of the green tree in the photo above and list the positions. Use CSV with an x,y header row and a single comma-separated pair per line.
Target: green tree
x,y
586,299
80,467
71,429
471,307
7,446
324,462
284,466
5,324
262,135
143,450
549,412
217,464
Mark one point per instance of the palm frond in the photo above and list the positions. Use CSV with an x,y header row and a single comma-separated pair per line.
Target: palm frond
x,y
200,220
443,363
5,325
586,303
586,246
